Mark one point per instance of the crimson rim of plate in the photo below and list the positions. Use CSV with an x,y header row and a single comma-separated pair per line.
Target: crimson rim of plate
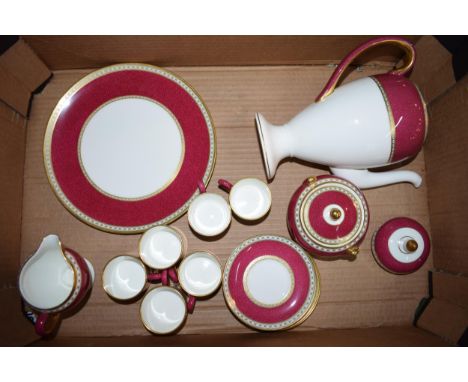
x,y
72,187
287,314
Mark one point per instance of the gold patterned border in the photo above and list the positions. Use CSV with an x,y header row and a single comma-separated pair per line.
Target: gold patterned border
x,y
390,118
312,296
65,101
299,219
426,113
313,235
164,186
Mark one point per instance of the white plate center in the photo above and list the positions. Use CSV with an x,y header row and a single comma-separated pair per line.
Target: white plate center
x,y
269,281
131,148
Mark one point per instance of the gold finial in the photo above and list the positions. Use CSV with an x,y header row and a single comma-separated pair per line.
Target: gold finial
x,y
335,213
353,251
312,179
411,245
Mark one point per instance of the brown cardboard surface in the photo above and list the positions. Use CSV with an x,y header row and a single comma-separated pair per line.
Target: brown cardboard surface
x,y
451,288
354,294
433,70
447,177
78,52
21,72
446,320
15,330
385,336
12,149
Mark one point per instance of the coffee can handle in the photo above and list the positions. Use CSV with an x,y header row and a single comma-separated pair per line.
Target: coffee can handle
x,y
405,45
225,185
191,303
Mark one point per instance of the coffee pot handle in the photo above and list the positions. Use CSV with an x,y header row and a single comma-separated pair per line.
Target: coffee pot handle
x,y
407,46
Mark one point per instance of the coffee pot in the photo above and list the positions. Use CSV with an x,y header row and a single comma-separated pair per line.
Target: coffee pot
x,y
367,123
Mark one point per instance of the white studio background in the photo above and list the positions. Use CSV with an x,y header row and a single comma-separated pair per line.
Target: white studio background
x,y
234,17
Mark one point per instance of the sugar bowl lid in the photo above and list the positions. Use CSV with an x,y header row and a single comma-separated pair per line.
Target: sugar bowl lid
x,y
401,245
331,215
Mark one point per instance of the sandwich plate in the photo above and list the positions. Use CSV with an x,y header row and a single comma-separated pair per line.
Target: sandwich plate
x,y
126,146
270,283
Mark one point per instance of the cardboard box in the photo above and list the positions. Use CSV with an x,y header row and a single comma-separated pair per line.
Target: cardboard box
x,y
236,76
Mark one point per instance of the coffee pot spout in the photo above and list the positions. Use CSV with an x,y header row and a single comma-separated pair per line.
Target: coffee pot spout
x,y
276,143
366,179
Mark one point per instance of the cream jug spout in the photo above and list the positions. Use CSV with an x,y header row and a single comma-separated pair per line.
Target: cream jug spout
x,y
47,278
367,179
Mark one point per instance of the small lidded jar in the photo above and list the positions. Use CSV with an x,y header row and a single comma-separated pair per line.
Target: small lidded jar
x,y
401,245
328,216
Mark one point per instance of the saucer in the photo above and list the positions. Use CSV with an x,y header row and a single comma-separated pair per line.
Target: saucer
x,y
126,146
270,283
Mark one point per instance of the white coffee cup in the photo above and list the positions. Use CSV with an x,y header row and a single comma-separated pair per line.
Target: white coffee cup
x,y
249,198
124,277
199,275
163,310
162,247
209,214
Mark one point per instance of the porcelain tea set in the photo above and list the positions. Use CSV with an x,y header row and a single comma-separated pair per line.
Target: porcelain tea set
x,y
269,282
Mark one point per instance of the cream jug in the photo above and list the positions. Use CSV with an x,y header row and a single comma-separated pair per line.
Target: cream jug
x,y
52,281
367,123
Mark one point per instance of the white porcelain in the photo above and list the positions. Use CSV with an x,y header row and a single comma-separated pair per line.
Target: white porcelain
x,y
47,279
161,247
131,148
397,245
200,274
268,281
163,310
209,214
349,131
124,277
250,199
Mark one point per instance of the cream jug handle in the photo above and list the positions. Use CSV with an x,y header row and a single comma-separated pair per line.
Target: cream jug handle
x,y
407,46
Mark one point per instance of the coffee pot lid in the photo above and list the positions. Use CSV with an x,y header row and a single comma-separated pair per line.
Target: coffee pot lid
x,y
401,245
331,214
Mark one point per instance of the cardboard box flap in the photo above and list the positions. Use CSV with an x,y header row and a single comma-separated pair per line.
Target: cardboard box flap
x,y
12,149
433,72
80,52
15,329
447,178
444,319
21,72
451,288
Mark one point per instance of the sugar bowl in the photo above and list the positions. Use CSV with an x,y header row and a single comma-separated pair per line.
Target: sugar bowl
x,y
328,216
